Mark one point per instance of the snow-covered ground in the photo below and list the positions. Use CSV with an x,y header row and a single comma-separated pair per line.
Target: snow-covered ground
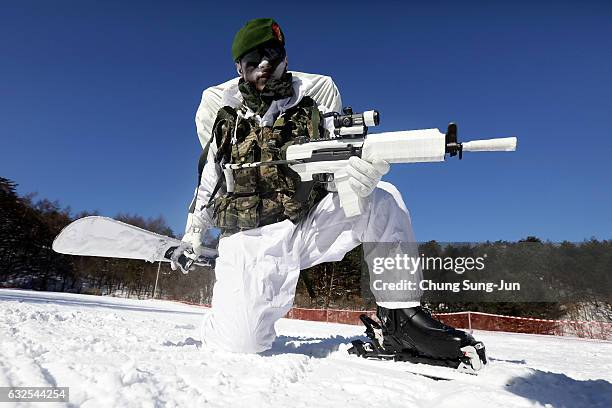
x,y
115,352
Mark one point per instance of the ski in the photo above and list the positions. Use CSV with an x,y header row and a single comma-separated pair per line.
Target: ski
x,y
426,370
109,238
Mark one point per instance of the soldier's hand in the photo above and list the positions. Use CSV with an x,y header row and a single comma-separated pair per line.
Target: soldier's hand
x,y
182,258
364,176
189,251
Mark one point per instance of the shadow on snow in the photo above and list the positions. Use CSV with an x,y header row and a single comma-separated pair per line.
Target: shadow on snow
x,y
559,390
310,346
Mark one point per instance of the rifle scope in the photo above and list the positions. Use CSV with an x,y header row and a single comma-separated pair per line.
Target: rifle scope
x,y
349,124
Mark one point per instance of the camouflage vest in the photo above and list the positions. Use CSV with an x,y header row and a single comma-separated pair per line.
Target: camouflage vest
x,y
267,194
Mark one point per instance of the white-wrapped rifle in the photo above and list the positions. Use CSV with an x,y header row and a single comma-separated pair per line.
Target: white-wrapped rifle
x,y
327,160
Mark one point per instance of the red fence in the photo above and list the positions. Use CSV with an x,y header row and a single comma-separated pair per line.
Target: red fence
x,y
476,321
494,322
473,321
328,315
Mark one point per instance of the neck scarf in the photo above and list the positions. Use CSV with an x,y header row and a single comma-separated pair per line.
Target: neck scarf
x,y
275,89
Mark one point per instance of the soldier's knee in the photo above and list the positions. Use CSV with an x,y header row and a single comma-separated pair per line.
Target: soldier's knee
x,y
237,337
386,196
247,345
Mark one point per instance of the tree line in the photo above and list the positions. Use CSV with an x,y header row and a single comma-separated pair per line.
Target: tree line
x,y
28,227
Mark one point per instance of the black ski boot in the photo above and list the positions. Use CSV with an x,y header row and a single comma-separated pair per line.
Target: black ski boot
x,y
413,335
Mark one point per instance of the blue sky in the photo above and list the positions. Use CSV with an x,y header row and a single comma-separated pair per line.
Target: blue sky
x,y
97,101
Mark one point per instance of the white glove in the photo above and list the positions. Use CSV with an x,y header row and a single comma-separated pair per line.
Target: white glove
x,y
364,176
192,246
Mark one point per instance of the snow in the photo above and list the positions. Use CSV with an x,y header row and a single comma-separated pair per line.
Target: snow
x,y
144,353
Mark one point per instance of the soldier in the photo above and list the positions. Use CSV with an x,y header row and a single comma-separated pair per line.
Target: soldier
x,y
268,235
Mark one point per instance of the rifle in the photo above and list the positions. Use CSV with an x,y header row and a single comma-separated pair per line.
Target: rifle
x,y
325,160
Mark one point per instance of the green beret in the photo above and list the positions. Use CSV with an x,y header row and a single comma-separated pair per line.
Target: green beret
x,y
254,33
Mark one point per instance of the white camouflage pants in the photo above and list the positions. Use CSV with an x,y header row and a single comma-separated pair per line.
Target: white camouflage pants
x,y
257,270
